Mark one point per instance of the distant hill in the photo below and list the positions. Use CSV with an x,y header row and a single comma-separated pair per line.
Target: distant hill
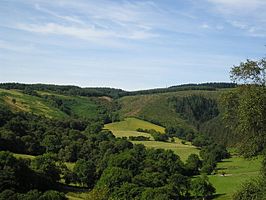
x,y
111,92
54,105
159,109
159,106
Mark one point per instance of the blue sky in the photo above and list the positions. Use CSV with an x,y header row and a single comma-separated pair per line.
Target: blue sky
x,y
128,44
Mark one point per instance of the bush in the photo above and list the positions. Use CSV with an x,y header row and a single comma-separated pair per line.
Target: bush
x,y
160,137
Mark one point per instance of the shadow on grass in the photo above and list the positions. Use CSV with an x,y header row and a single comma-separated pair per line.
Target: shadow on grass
x,y
217,195
225,161
221,168
71,188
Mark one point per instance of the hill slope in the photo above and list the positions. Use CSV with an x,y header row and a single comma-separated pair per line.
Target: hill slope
x,y
158,109
52,105
128,128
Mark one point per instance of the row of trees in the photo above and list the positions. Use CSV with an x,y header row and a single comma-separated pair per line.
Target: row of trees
x,y
111,92
65,89
246,116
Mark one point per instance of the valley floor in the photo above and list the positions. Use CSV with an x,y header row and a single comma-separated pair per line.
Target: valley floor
x,y
236,171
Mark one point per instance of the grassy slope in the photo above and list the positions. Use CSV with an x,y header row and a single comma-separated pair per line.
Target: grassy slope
x,y
237,171
81,106
127,128
131,124
28,103
155,107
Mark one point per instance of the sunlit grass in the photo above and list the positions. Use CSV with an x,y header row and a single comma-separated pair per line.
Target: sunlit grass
x,y
237,170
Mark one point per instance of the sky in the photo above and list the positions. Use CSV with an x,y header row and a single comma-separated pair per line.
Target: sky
x,y
128,44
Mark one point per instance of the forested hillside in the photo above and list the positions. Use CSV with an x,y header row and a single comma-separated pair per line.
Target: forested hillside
x,y
64,130
60,129
180,108
185,112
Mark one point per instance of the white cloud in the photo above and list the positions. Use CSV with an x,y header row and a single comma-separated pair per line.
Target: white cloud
x,y
205,26
92,21
247,15
85,33
239,4
73,19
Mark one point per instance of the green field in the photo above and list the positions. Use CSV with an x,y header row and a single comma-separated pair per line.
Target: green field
x,y
183,151
23,156
131,124
18,101
79,106
128,128
237,170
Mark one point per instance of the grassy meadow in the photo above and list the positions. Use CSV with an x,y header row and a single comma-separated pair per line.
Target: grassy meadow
x,y
237,170
18,101
128,128
79,106
131,124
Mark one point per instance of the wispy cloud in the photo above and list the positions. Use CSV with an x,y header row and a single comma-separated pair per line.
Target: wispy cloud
x,y
85,33
127,42
97,22
205,26
73,19
240,5
247,15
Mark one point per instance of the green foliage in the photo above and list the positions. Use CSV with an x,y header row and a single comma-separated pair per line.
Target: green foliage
x,y
159,137
250,72
246,107
86,172
14,174
147,107
114,177
196,109
156,194
139,138
68,90
54,195
98,194
46,165
201,187
127,191
246,115
193,164
51,143
212,154
214,151
110,92
32,195
253,189
125,160
176,131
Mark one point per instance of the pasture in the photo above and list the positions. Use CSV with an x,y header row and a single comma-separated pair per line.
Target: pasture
x,y
128,128
132,124
79,106
237,170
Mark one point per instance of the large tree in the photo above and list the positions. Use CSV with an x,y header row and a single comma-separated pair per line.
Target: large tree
x,y
246,106
246,115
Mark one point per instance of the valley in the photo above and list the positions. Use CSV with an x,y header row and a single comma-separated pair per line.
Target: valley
x,y
71,129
